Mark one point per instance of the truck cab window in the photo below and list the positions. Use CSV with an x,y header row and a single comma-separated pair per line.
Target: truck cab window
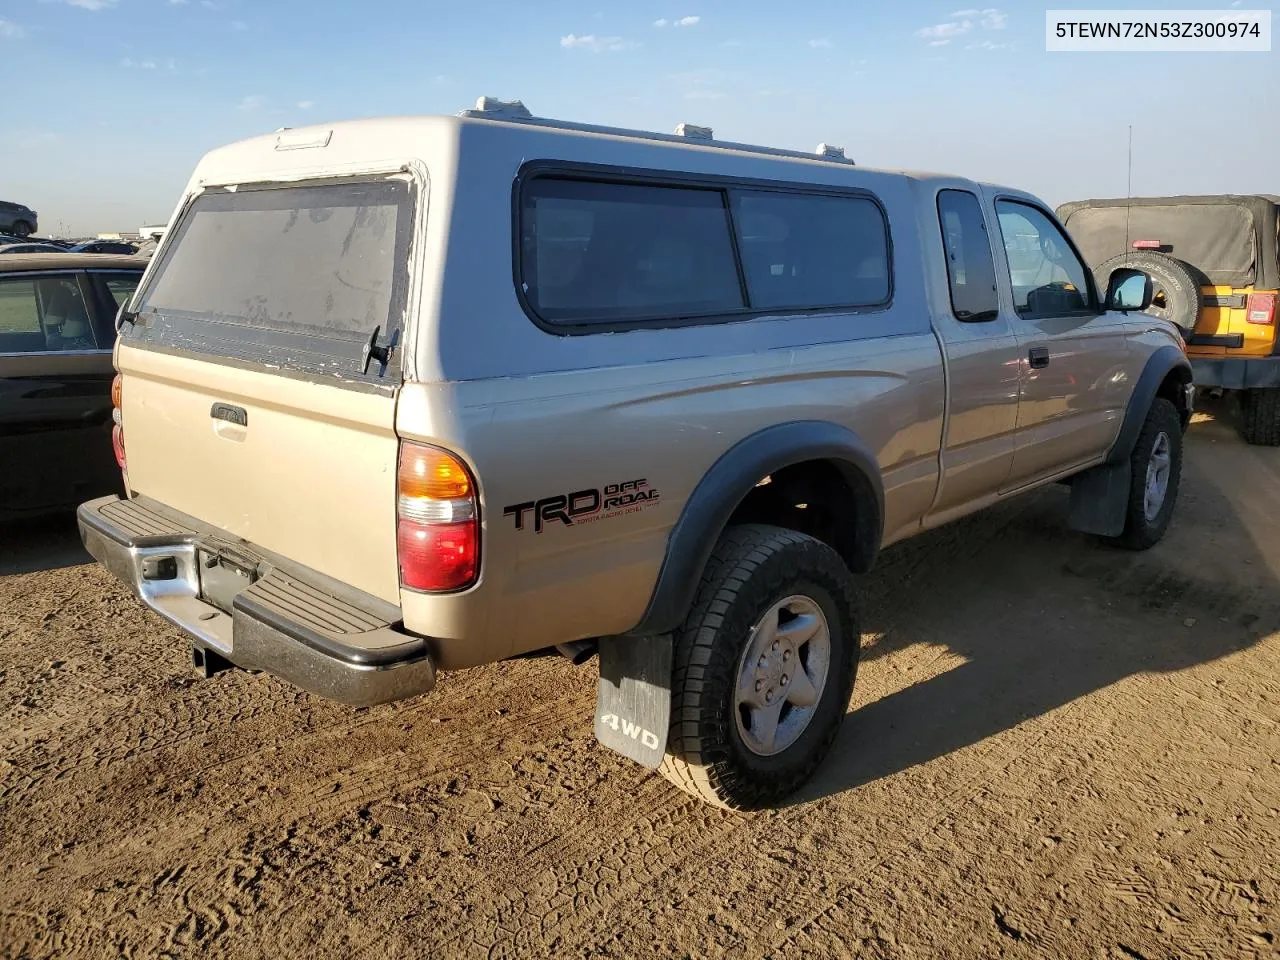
x,y
1048,278
971,271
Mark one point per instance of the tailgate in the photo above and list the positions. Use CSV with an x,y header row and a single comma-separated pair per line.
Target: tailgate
x,y
309,474
251,399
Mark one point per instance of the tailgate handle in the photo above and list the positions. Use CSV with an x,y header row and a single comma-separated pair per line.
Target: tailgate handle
x,y
229,413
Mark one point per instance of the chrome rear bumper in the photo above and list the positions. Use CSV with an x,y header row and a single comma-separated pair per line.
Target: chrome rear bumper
x,y
289,621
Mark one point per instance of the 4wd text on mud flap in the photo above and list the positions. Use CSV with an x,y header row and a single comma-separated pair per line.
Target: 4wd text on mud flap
x,y
591,504
629,729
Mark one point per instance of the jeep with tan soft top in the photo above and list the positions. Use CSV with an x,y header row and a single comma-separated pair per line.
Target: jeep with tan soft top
x,y
415,394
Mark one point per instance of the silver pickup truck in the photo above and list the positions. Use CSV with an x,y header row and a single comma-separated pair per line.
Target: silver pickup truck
x,y
422,393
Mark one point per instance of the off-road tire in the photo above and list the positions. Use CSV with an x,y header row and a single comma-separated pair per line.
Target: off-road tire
x,y
1175,278
1140,532
22,229
1261,410
752,568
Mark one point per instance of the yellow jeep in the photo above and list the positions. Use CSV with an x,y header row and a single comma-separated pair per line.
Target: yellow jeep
x,y
1215,262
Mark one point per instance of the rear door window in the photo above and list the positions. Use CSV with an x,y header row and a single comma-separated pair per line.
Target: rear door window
x,y
295,276
120,288
44,315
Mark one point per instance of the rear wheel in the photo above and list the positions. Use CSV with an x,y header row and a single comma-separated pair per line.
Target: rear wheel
x,y
1157,472
764,666
1261,410
22,229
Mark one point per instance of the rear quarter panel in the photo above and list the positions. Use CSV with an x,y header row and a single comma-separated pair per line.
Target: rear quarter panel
x,y
556,434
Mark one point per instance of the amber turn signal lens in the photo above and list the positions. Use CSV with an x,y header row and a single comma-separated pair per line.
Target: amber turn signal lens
x,y
117,388
431,473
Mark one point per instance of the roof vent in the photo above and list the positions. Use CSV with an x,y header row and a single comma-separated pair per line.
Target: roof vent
x,y
495,109
693,131
831,153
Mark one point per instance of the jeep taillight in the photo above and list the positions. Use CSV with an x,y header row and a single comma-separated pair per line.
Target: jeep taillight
x,y
437,520
1261,308
117,427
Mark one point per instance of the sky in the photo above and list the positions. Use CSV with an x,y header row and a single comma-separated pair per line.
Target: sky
x,y
107,105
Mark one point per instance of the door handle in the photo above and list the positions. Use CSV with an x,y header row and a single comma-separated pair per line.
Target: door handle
x,y
1039,357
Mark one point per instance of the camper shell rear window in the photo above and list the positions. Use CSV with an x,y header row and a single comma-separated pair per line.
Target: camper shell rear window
x,y
296,276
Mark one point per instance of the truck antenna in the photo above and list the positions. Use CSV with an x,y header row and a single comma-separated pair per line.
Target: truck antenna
x,y
1128,198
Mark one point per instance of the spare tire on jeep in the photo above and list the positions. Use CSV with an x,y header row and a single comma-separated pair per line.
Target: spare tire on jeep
x,y
1176,296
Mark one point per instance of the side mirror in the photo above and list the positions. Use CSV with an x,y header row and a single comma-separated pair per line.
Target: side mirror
x,y
1129,290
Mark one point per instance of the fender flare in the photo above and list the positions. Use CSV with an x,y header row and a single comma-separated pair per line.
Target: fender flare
x,y
1159,365
730,479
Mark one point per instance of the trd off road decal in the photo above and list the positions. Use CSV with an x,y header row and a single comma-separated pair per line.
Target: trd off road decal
x,y
585,506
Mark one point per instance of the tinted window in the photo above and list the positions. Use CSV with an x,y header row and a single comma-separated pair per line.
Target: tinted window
x,y
801,251
121,288
604,252
1048,278
970,269
323,260
42,315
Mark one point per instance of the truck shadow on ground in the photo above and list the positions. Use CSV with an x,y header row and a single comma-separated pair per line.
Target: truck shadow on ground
x,y
45,543
1013,616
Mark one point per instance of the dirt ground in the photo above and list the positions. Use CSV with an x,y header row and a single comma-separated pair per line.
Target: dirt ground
x,y
1055,750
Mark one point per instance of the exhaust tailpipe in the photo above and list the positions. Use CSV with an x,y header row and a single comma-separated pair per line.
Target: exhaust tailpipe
x,y
577,652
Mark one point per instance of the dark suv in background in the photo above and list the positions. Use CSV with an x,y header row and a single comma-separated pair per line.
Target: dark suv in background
x,y
57,313
17,219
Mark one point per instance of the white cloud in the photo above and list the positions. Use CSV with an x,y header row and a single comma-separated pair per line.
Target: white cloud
x,y
993,19
661,22
687,21
939,43
945,31
10,30
704,95
306,104
131,64
988,45
822,43
251,102
961,14
94,5
593,43
239,26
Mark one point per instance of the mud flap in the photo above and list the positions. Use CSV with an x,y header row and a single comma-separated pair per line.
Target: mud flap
x,y
633,702
1100,499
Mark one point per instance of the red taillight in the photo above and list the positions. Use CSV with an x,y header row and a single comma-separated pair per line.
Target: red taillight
x,y
117,429
117,444
1261,308
437,522
437,556
1147,244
